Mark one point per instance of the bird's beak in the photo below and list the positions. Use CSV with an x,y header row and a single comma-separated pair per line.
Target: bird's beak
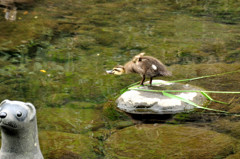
x,y
109,71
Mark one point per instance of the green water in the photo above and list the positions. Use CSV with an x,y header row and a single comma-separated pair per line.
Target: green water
x,y
75,42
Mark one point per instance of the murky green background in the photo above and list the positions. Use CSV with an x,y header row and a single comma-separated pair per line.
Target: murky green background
x,y
76,41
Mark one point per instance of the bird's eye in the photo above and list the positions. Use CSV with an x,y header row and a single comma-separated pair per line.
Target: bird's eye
x,y
19,114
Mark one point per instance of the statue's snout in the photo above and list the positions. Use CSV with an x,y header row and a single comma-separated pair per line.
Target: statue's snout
x,y
3,115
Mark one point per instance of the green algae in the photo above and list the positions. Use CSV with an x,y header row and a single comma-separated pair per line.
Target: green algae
x,y
75,42
229,126
111,113
109,27
69,120
66,145
234,156
168,141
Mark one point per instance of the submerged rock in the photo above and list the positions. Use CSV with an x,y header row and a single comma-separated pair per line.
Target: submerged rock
x,y
168,141
145,102
58,145
75,120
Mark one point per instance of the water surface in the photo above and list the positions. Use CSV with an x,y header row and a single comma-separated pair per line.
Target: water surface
x,y
54,54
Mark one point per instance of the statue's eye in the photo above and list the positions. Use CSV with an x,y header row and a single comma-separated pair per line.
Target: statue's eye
x,y
19,114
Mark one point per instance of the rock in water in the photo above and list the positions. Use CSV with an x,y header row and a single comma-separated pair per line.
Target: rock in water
x,y
164,141
142,102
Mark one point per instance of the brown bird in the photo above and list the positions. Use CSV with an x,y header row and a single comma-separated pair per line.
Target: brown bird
x,y
146,66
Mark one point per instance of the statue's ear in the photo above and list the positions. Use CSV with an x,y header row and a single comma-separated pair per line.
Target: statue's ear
x,y
5,101
32,111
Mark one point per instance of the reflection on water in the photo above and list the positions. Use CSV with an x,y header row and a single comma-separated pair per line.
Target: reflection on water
x,y
11,8
58,60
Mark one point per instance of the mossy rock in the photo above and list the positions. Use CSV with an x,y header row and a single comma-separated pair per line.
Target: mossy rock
x,y
57,145
227,126
69,120
110,111
234,156
168,141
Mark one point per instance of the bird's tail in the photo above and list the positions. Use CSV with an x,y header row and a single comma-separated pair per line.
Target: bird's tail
x,y
166,73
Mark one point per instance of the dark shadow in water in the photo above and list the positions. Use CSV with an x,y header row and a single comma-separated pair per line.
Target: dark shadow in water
x,y
151,118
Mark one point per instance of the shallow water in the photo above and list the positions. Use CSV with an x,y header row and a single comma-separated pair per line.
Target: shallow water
x,y
56,52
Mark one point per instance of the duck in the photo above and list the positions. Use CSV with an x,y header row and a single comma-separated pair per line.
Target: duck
x,y
146,66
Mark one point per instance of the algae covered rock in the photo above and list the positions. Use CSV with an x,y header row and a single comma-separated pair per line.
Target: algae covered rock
x,y
227,126
145,102
234,156
69,120
168,141
57,145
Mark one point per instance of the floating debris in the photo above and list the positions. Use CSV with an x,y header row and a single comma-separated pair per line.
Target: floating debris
x,y
43,71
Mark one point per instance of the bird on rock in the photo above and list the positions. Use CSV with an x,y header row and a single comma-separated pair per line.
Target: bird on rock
x,y
146,66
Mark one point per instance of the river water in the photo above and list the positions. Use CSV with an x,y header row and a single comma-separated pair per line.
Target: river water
x,y
55,53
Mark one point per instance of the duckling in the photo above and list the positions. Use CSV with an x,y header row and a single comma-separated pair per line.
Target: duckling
x,y
143,65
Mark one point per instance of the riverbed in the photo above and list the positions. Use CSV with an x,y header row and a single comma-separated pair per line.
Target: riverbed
x,y
55,54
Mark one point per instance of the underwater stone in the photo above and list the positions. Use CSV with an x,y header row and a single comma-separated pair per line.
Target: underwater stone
x,y
64,145
169,142
19,131
142,102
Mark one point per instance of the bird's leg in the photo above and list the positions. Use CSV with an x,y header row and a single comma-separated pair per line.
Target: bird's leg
x,y
143,79
150,82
